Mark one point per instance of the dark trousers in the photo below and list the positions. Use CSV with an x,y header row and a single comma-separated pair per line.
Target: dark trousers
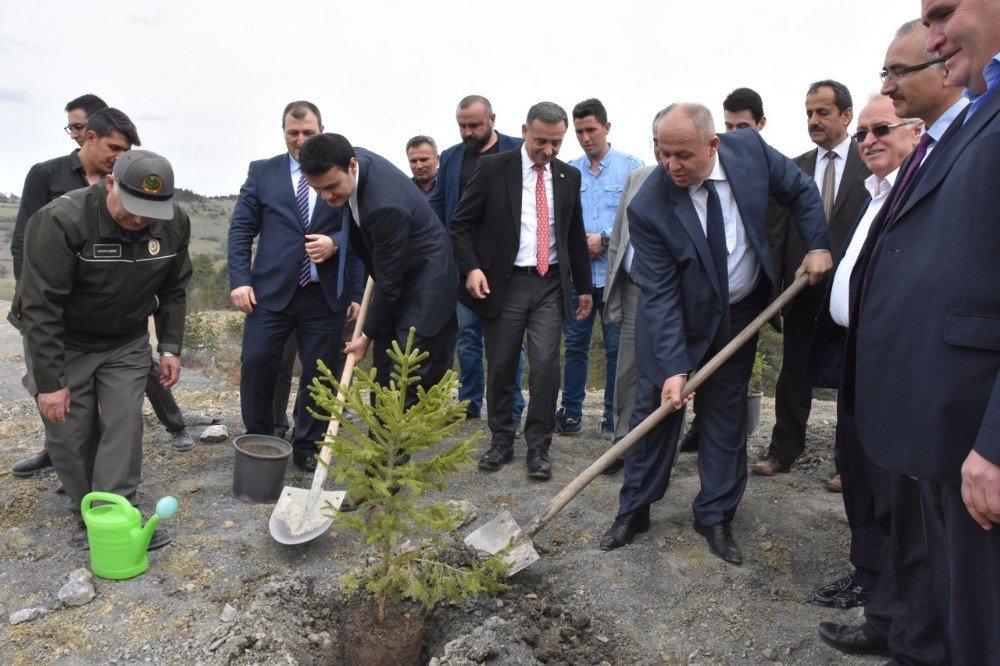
x,y
441,350
534,306
283,385
903,607
965,563
317,329
162,400
722,432
866,494
793,391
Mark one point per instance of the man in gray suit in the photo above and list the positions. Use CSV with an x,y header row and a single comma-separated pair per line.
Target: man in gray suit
x,y
621,296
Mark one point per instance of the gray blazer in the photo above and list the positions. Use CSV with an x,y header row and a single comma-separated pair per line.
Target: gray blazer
x,y
618,247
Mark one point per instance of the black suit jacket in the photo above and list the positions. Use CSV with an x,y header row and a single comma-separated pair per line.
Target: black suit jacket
x,y
406,251
851,197
926,356
486,230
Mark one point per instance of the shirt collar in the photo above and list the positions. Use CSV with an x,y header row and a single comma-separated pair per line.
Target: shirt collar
x,y
352,200
526,163
293,164
991,74
942,124
841,150
74,161
878,186
717,173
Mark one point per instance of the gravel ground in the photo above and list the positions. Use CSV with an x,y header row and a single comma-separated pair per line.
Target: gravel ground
x,y
225,592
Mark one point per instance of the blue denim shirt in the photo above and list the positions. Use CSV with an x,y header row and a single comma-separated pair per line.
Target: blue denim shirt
x,y
599,196
991,74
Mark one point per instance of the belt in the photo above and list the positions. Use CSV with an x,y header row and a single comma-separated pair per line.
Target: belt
x,y
533,270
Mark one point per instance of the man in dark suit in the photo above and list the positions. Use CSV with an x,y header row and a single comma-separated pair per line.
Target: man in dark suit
x,y
888,561
705,270
839,174
927,282
404,248
521,249
475,119
303,280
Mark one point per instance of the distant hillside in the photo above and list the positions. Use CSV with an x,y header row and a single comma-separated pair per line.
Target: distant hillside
x,y
209,230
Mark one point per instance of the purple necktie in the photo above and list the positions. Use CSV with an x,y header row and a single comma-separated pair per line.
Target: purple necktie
x,y
302,199
918,157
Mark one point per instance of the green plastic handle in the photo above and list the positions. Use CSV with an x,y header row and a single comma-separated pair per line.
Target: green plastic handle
x,y
90,498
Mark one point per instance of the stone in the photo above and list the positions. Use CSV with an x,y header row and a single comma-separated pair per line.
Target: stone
x,y
28,614
465,510
214,434
79,589
228,613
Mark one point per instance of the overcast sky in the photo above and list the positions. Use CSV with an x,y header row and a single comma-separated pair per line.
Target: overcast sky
x,y
205,82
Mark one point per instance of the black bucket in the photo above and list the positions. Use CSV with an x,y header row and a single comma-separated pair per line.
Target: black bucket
x,y
259,471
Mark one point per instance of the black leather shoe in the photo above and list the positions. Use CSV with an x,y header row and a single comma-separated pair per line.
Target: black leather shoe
x,y
836,586
852,639
720,541
495,458
614,468
182,440
539,466
305,461
851,597
689,442
32,464
624,529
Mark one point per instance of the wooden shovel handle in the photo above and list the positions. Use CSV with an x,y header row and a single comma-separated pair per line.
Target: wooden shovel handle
x,y
697,379
345,378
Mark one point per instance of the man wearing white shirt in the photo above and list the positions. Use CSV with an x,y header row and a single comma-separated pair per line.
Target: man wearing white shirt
x,y
705,271
302,279
838,172
521,249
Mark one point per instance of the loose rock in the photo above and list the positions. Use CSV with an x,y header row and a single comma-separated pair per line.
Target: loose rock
x,y
214,434
227,614
28,614
466,511
79,589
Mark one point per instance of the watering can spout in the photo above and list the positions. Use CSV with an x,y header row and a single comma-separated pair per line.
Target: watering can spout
x,y
165,508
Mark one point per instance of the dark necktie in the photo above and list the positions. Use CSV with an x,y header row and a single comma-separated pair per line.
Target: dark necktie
x,y
715,231
302,199
829,192
918,157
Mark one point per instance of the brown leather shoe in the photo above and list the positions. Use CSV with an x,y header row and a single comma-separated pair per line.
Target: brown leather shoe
x,y
834,485
769,466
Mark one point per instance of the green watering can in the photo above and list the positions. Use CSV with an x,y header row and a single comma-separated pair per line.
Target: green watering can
x,y
117,538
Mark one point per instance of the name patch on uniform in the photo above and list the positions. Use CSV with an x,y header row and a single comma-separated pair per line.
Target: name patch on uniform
x,y
107,251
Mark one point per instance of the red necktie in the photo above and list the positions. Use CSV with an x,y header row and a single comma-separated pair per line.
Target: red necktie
x,y
542,212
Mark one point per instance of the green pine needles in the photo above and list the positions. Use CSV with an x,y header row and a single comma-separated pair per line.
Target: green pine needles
x,y
387,463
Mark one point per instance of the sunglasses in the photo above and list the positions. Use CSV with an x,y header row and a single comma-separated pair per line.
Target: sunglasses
x,y
879,130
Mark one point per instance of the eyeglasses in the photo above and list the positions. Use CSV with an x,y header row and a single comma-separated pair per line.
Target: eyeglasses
x,y
896,73
879,131
75,127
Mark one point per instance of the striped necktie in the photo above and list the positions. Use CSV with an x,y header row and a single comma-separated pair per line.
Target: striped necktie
x,y
302,199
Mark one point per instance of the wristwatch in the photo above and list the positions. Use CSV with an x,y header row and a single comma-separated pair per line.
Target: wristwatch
x,y
166,353
605,238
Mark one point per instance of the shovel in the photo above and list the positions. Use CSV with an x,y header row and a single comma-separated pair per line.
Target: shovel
x,y
298,516
497,534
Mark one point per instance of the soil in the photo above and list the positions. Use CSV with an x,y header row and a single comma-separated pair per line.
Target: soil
x,y
225,592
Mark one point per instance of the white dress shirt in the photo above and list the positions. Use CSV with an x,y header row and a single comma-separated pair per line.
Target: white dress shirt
x,y
742,264
296,174
942,124
527,251
840,298
838,164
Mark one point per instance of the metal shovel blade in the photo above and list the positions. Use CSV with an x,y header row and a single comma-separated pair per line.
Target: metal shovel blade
x,y
495,535
299,515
